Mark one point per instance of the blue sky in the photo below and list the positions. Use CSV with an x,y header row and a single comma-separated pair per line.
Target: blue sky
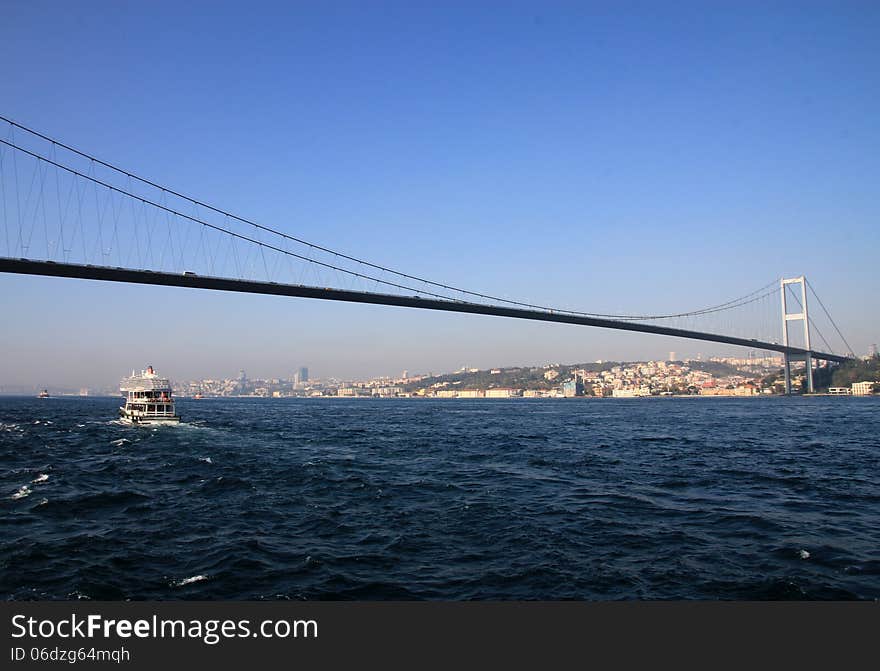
x,y
608,157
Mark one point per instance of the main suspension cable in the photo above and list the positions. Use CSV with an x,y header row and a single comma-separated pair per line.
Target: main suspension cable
x,y
731,304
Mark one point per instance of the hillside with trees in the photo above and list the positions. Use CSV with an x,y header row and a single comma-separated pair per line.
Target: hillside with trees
x,y
844,375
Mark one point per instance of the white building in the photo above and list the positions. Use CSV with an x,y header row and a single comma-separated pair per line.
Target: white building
x,y
534,393
501,393
471,393
863,388
353,391
625,393
387,392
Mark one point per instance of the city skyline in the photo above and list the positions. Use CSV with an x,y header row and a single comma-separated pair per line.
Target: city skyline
x,y
759,373
582,158
294,376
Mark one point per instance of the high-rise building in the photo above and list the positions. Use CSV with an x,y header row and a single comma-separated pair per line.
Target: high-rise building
x,y
672,356
872,350
572,388
405,374
301,376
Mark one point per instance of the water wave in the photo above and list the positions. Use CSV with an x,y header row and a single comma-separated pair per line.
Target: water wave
x,y
22,492
188,581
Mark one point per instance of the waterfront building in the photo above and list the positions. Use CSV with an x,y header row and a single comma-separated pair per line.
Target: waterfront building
x,y
625,393
743,390
863,388
572,388
471,393
354,391
387,392
502,393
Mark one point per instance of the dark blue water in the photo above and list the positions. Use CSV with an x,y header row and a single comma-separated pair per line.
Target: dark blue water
x,y
418,499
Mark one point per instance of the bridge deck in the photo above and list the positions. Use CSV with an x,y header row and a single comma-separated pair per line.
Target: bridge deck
x,y
53,269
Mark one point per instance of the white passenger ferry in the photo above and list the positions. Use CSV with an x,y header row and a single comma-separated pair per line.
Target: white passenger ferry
x,y
147,399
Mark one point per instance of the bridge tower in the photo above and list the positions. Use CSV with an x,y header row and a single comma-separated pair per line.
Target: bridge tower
x,y
802,316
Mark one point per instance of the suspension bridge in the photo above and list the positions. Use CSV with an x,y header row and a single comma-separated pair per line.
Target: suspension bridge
x,y
67,213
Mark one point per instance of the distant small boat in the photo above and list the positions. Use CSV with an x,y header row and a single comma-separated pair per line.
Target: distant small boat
x,y
43,394
198,395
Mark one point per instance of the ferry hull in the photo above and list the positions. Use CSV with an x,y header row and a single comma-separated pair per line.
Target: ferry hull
x,y
147,421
